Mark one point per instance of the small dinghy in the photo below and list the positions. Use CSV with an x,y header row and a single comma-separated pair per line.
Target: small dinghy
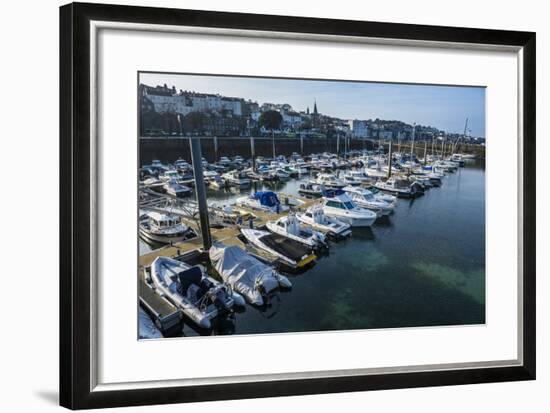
x,y
199,297
291,253
289,227
332,227
245,274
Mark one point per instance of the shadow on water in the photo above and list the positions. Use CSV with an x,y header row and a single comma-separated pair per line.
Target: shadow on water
x,y
383,221
363,233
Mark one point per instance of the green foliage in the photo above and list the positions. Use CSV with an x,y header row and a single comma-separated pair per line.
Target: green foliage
x,y
271,119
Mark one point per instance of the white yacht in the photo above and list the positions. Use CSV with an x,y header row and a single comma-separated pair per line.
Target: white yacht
x,y
171,175
315,217
162,228
279,173
402,188
289,227
329,181
175,189
366,199
356,178
376,172
338,205
236,178
382,196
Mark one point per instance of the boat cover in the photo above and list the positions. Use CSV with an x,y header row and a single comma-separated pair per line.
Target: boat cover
x,y
243,272
267,198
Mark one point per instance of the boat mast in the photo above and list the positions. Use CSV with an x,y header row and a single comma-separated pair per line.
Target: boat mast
x,y
463,135
413,136
425,151
390,155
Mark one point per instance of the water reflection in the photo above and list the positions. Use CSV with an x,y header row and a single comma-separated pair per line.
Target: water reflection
x,y
421,266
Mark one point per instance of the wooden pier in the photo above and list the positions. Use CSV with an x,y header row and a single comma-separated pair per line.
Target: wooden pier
x,y
164,314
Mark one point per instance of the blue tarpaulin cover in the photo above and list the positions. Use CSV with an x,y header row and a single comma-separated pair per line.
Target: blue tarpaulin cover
x,y
267,198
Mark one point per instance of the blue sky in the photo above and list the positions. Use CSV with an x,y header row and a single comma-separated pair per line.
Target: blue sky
x,y
444,107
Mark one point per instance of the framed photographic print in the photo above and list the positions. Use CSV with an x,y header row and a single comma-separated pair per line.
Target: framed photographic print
x,y
258,206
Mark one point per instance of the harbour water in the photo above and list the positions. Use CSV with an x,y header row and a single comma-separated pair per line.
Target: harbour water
x,y
422,266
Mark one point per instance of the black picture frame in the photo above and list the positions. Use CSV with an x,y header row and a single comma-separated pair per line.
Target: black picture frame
x,y
75,196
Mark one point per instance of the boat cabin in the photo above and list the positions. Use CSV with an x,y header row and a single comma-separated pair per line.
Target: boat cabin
x,y
338,199
162,221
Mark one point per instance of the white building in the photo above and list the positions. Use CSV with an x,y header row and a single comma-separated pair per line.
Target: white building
x,y
291,119
185,103
359,129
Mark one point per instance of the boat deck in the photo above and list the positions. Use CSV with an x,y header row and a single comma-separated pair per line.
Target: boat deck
x,y
166,316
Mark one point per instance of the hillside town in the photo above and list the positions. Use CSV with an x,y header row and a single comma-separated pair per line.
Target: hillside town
x,y
166,111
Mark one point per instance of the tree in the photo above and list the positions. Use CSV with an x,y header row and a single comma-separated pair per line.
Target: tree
x,y
271,120
195,122
306,124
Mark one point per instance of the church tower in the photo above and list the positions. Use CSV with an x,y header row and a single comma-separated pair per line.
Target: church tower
x,y
315,117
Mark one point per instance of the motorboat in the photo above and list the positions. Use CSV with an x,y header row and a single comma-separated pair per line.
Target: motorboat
x,y
163,228
310,189
262,201
236,178
288,252
338,204
200,297
400,187
247,275
177,190
224,161
289,227
230,215
435,178
209,175
329,181
158,167
182,165
381,196
366,199
315,217
445,166
151,182
170,175
376,172
356,178
279,173
458,158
